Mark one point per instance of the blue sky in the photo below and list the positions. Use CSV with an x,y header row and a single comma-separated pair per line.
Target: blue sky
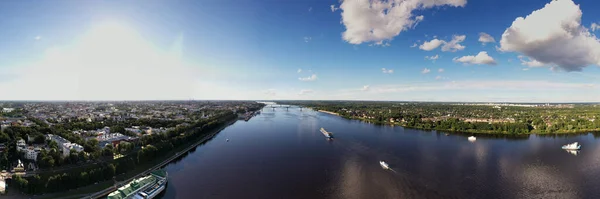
x,y
268,49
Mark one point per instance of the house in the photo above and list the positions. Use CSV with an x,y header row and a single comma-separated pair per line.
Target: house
x,y
66,148
21,146
31,153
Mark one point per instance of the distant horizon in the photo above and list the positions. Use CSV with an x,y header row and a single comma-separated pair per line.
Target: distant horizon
x,y
407,101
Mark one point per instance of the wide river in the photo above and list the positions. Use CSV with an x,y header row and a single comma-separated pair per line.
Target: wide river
x,y
282,154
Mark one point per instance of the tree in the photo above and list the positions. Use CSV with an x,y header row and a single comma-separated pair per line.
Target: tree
x,y
53,145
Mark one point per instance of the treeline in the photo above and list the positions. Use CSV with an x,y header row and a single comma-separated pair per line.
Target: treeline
x,y
450,117
155,146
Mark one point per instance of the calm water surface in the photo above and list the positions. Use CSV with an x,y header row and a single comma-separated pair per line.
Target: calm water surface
x,y
282,154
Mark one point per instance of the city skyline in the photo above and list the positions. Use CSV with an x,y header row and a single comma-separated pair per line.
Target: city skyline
x,y
416,50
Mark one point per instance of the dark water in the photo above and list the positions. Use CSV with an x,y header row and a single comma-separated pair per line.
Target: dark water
x,y
282,154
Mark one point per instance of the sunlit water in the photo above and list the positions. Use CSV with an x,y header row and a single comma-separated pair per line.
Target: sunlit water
x,y
282,154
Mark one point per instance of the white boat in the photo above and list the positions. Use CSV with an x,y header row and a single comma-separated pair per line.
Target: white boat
x,y
572,146
472,138
573,152
384,165
326,134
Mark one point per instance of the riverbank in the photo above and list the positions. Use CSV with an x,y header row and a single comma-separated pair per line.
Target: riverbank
x,y
329,112
474,132
105,187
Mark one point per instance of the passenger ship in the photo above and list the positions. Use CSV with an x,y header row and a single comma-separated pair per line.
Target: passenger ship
x,y
146,187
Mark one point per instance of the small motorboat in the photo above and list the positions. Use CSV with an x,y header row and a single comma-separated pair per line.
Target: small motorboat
x,y
472,138
384,165
572,146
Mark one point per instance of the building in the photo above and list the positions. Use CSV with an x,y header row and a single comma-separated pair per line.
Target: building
x,y
113,139
7,110
66,148
31,153
21,146
59,140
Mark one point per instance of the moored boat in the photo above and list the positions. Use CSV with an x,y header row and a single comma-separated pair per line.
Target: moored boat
x,y
572,146
146,187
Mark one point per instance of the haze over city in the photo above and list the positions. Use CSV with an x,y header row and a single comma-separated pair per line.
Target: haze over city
x,y
423,50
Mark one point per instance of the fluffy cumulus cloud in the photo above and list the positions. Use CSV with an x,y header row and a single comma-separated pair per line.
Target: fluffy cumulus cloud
x,y
389,71
553,35
313,77
481,58
526,61
333,8
430,45
379,20
595,27
454,44
486,38
447,46
432,58
441,70
425,70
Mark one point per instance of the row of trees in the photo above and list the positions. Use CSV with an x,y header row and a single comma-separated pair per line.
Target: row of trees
x,y
517,120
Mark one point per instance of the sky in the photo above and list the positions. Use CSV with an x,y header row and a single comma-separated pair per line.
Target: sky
x,y
392,50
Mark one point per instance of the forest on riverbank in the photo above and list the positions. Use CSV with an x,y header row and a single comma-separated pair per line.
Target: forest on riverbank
x,y
469,117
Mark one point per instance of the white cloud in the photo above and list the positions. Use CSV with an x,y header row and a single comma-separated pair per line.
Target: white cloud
x,y
365,88
441,70
309,9
414,45
451,46
530,62
425,71
430,45
486,38
481,58
379,20
313,77
389,71
432,58
299,70
38,37
305,91
454,44
438,77
553,35
307,39
595,27
333,8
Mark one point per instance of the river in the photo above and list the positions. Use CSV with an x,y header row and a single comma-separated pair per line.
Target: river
x,y
282,154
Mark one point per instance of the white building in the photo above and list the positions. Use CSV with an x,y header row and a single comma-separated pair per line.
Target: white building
x,y
7,110
66,148
32,153
21,146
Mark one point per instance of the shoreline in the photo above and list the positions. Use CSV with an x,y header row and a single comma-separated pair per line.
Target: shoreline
x,y
470,132
136,174
329,112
